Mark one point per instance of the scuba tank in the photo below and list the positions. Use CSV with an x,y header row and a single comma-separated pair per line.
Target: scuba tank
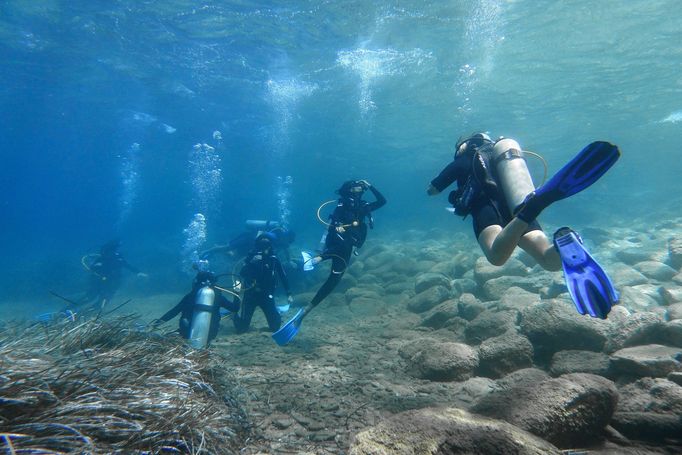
x,y
512,172
201,317
261,225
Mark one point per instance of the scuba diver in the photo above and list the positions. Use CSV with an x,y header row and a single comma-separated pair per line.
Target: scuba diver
x,y
200,310
240,246
346,230
105,269
495,188
260,274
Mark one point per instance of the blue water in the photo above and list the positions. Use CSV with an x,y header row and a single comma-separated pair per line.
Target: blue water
x,y
103,102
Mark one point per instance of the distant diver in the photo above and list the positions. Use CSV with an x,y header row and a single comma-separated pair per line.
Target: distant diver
x,y
106,270
200,310
346,231
261,273
495,188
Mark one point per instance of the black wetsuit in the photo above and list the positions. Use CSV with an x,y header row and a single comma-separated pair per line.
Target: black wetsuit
x,y
105,278
339,245
186,309
260,276
488,208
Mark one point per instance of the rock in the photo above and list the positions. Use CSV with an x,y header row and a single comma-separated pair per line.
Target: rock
x,y
397,288
555,326
446,431
489,324
632,256
411,348
425,281
282,423
625,275
568,411
635,300
485,271
650,410
443,362
518,299
465,394
503,354
469,307
565,362
671,294
464,285
655,270
624,326
526,377
675,253
438,316
676,377
666,333
677,278
428,299
674,311
357,292
652,290
652,360
457,328
496,288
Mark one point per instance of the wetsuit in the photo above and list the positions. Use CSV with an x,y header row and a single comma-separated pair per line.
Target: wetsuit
x,y
489,207
260,275
186,310
339,245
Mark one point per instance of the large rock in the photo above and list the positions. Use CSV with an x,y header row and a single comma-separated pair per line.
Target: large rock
x,y
447,431
649,409
496,288
625,275
438,316
667,333
443,362
674,311
652,360
503,354
428,299
632,256
469,307
568,411
489,324
625,326
556,326
518,299
671,294
565,362
636,300
655,270
425,281
485,271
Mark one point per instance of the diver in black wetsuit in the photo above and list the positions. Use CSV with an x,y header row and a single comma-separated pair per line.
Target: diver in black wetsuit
x,y
186,306
347,230
260,274
240,246
105,275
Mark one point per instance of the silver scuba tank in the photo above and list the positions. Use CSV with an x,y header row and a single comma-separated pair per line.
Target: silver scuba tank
x,y
512,172
201,317
261,225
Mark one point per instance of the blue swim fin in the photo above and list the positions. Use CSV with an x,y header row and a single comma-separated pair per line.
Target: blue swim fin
x,y
288,331
582,171
589,286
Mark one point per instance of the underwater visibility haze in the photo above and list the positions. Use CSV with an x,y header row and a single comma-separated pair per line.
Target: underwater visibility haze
x,y
169,123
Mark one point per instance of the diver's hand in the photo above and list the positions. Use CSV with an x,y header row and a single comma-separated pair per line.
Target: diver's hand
x,y
290,299
365,183
340,229
142,275
432,190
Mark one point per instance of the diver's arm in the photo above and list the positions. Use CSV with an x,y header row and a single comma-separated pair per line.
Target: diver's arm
x,y
381,200
175,310
130,267
447,176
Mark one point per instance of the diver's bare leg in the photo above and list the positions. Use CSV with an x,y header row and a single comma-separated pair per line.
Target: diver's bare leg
x,y
541,249
498,244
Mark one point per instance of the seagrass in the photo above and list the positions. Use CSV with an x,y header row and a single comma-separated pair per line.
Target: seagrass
x,y
97,386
